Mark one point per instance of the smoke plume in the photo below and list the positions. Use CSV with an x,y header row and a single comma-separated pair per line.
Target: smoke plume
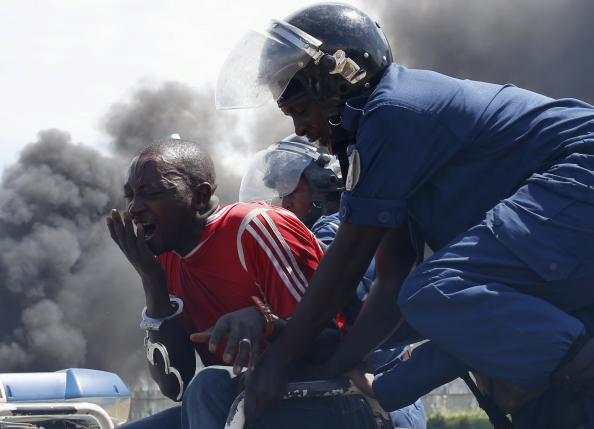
x,y
542,45
153,114
55,278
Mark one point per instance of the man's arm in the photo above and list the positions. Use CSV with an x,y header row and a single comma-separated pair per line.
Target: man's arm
x,y
171,358
170,354
331,287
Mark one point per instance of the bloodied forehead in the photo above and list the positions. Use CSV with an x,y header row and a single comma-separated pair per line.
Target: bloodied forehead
x,y
150,169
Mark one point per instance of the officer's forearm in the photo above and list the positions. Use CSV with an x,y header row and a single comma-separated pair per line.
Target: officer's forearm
x,y
379,318
331,287
171,358
380,315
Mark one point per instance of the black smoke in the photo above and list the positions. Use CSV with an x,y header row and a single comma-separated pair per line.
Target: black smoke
x,y
542,45
68,296
59,275
152,114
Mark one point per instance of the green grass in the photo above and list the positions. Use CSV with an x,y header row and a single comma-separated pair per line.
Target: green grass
x,y
470,420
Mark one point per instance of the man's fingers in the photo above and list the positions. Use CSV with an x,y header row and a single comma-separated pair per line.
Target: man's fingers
x,y
110,227
143,249
201,337
243,358
219,330
118,228
129,231
233,339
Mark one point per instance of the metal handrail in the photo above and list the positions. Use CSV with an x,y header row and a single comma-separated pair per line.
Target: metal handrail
x,y
26,412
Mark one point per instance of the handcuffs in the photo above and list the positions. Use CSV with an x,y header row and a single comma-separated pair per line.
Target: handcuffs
x,y
154,324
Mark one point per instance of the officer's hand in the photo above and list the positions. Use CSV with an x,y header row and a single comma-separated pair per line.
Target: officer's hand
x,y
132,244
265,385
363,380
244,330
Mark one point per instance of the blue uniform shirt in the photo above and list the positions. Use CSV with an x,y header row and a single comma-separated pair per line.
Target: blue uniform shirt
x,y
444,151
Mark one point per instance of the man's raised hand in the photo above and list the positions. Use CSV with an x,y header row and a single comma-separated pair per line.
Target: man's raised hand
x,y
132,244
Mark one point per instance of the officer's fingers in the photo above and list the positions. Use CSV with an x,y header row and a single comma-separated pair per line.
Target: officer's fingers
x,y
201,337
217,333
254,351
250,404
243,357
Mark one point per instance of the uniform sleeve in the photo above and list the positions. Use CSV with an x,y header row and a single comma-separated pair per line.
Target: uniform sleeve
x,y
281,255
325,230
398,150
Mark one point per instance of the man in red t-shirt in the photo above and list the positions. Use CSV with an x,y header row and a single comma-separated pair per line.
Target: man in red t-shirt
x,y
210,262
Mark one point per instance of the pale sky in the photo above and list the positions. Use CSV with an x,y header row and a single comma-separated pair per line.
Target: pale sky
x,y
64,62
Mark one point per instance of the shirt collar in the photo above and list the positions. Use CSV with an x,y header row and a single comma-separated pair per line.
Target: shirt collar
x,y
352,112
356,107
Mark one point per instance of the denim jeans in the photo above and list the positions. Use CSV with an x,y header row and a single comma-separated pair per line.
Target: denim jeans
x,y
209,396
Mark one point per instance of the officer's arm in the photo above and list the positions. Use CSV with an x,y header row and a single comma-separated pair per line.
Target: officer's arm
x,y
380,315
330,289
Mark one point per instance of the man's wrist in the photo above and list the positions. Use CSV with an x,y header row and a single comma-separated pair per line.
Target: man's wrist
x,y
159,306
269,317
153,323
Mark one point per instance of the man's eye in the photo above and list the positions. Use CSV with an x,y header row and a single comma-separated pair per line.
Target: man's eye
x,y
128,197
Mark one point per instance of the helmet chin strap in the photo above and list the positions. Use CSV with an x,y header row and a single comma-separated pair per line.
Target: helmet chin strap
x,y
341,139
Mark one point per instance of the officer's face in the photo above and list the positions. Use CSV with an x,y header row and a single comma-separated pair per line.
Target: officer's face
x,y
299,201
160,200
309,120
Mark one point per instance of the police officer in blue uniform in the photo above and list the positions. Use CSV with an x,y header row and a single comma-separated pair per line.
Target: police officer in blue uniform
x,y
307,181
497,180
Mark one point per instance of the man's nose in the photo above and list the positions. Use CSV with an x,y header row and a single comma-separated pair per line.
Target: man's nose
x,y
136,206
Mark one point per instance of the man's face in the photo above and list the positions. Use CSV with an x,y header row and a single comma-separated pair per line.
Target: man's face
x,y
160,201
298,201
309,119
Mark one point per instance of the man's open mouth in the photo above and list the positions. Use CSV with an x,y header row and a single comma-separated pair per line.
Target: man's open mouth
x,y
149,230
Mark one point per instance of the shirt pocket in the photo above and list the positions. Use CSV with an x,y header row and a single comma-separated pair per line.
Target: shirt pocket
x,y
523,224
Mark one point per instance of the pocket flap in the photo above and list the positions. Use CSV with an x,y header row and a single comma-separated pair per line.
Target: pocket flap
x,y
526,237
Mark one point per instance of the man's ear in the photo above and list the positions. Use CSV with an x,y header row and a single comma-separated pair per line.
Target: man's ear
x,y
201,196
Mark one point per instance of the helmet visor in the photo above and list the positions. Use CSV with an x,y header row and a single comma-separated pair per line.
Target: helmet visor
x,y
272,174
262,64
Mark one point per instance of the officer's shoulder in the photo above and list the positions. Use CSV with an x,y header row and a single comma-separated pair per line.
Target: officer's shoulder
x,y
420,91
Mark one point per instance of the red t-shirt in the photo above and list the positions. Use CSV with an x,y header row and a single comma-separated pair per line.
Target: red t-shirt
x,y
244,250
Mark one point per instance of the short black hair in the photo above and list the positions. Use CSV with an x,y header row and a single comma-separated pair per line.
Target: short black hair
x,y
189,158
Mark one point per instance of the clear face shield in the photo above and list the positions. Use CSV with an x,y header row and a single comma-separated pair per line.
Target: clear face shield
x,y
262,64
275,172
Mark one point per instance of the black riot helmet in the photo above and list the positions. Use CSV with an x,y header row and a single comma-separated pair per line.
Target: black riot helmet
x,y
274,173
332,51
351,41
